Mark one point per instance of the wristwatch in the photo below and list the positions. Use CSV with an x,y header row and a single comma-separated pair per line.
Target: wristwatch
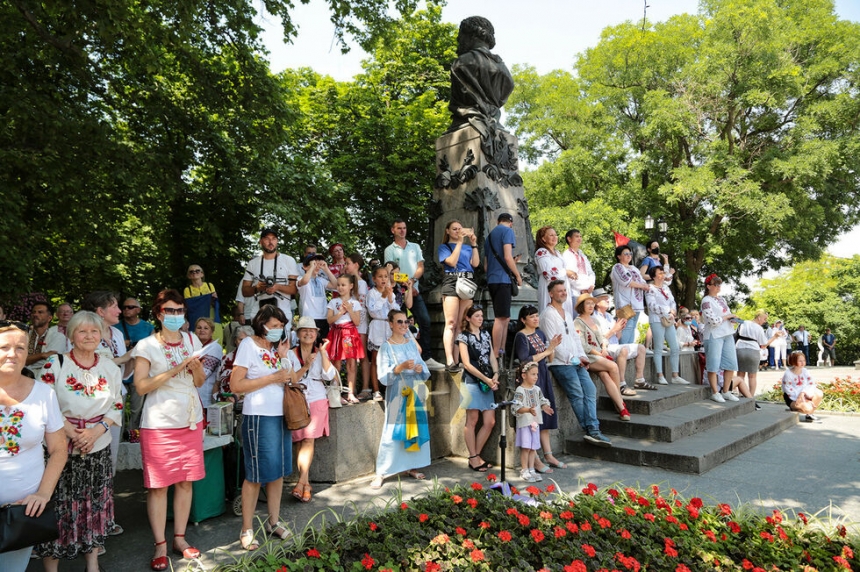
x,y
105,425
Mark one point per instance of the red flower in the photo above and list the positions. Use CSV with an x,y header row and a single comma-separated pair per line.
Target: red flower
x,y
512,510
733,526
694,512
367,561
550,488
766,535
523,519
683,526
696,502
682,568
468,544
588,491
571,526
613,493
725,509
566,515
586,526
432,567
643,502
670,551
546,515
477,487
777,516
460,530
504,536
373,526
484,524
533,490
711,536
604,522
576,566
403,506
472,502
655,490
559,532
492,478
782,534
842,562
625,534
440,539
802,517
589,550
847,552
313,553
537,535
628,562
476,555
842,530
671,519
674,492
457,499
716,563
422,517
747,565
648,516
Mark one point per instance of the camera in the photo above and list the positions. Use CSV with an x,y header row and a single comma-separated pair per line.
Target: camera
x,y
269,280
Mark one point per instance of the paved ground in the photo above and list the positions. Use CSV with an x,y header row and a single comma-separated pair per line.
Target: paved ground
x,y
814,468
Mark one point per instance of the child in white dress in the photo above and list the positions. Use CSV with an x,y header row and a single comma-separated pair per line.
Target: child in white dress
x,y
529,402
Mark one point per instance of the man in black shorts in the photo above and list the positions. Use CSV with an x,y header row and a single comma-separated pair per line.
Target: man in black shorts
x,y
501,267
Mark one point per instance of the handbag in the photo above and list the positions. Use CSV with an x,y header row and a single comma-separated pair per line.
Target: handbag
x,y
332,392
667,321
17,530
465,288
625,312
297,415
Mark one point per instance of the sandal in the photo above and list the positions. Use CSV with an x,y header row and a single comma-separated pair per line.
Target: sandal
x,y
159,562
416,474
545,470
364,395
482,468
280,530
189,553
298,491
376,483
557,464
351,399
306,493
627,392
247,540
645,385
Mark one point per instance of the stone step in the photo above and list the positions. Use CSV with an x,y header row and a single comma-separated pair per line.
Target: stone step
x,y
697,453
652,402
677,423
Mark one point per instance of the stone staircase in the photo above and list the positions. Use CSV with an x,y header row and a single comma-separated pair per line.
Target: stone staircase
x,y
678,428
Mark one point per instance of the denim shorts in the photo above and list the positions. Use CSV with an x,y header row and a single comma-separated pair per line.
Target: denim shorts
x,y
720,354
268,448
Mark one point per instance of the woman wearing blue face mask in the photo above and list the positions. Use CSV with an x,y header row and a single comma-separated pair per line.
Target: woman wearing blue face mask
x,y
260,370
171,428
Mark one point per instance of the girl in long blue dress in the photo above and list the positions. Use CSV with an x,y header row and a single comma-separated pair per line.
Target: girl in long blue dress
x,y
405,442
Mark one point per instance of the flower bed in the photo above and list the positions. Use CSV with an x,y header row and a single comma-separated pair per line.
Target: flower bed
x,y
473,528
839,395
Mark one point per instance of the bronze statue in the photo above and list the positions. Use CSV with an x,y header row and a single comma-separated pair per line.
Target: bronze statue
x,y
480,80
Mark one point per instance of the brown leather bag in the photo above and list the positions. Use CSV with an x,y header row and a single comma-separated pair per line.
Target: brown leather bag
x,y
297,415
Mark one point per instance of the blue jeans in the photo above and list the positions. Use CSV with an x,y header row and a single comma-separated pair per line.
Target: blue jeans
x,y
658,334
628,334
15,561
581,393
422,317
720,354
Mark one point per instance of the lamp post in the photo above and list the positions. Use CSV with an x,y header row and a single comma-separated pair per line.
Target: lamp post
x,y
649,221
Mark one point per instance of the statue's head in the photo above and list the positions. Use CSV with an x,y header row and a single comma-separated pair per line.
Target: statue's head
x,y
475,32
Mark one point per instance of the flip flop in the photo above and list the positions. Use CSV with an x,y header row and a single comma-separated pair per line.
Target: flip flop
x,y
416,474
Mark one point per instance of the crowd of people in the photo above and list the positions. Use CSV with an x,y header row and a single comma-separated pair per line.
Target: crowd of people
x,y
75,385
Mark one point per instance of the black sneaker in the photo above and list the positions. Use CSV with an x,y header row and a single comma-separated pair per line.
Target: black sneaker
x,y
812,419
453,368
757,407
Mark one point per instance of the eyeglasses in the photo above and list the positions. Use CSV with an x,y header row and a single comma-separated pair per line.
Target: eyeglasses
x,y
173,311
14,324
196,271
400,322
130,307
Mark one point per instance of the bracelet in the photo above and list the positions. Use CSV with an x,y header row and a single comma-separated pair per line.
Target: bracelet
x,y
105,425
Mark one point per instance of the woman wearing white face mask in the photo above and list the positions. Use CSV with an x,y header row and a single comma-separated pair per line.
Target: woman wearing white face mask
x,y
260,371
171,426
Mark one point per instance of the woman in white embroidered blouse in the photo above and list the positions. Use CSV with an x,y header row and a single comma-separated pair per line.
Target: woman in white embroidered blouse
x,y
629,289
661,315
167,373
88,389
719,341
551,266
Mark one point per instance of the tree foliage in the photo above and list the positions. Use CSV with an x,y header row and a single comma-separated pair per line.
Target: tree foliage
x,y
818,294
138,137
739,125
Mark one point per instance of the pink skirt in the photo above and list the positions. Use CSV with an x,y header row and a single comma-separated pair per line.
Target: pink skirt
x,y
345,342
171,456
318,426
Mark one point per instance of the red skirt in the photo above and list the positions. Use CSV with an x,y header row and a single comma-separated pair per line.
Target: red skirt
x,y
171,456
345,342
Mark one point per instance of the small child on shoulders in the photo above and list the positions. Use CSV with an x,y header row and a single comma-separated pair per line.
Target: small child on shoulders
x,y
529,403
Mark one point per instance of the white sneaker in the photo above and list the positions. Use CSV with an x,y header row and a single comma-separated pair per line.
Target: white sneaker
x,y
662,380
434,365
718,398
730,396
536,475
677,379
377,396
527,476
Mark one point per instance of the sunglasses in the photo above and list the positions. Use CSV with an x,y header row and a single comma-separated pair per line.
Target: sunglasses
x,y
130,307
14,324
196,271
400,322
477,307
173,311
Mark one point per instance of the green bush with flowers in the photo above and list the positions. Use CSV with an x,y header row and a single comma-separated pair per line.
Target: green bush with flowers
x,y
841,395
613,529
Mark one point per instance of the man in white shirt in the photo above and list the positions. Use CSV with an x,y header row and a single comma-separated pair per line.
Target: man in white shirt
x,y
569,364
43,342
411,260
270,278
801,336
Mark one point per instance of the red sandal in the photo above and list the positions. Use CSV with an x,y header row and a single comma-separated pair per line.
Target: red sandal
x,y
159,563
189,553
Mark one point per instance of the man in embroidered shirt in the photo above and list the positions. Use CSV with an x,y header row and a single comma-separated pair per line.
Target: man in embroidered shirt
x,y
570,364
271,278
411,260
42,342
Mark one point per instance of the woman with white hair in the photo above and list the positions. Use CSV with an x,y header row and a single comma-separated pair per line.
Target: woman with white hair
x,y
751,339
